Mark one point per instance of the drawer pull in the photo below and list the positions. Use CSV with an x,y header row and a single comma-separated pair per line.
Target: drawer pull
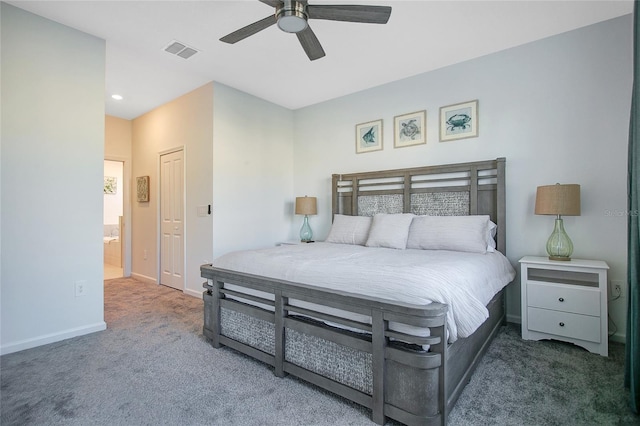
x,y
561,299
561,324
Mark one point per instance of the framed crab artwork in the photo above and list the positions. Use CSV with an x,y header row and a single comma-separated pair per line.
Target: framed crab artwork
x,y
410,129
459,121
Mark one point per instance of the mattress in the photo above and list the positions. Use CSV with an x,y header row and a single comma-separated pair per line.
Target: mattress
x,y
466,282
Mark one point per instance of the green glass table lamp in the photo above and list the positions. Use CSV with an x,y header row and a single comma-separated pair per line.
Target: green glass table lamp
x,y
306,206
558,200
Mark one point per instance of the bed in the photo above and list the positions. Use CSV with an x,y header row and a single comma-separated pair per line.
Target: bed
x,y
404,356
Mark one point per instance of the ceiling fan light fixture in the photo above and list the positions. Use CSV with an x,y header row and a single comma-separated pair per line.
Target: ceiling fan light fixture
x,y
292,17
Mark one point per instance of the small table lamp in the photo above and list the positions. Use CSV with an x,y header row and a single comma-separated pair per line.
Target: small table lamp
x,y
558,200
306,206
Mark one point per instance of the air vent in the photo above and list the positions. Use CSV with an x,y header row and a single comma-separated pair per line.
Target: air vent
x,y
187,52
180,49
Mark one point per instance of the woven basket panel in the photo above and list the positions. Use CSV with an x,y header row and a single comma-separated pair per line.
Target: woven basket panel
x,y
345,365
440,203
248,330
370,205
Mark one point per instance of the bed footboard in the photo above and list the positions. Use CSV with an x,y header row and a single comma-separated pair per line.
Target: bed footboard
x,y
403,382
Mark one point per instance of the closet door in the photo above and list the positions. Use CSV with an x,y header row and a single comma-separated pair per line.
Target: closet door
x,y
172,220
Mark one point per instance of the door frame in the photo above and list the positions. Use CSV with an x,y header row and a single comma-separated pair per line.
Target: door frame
x,y
158,191
126,212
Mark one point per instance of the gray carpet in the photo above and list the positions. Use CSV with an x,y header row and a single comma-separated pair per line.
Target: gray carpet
x,y
152,366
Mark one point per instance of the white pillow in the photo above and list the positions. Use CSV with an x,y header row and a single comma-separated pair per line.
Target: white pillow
x,y
491,234
390,230
457,233
349,229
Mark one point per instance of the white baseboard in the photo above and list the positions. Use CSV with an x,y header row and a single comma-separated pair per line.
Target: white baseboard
x,y
144,278
517,319
151,280
193,293
52,338
619,338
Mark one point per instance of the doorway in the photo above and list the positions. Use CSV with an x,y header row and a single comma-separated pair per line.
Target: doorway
x,y
113,219
172,200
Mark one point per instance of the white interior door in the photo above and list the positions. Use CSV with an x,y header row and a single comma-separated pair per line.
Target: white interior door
x,y
172,220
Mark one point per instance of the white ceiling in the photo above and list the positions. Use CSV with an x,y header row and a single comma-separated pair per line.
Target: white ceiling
x,y
420,36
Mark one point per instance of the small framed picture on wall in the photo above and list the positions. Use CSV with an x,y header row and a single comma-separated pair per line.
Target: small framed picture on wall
x,y
410,129
459,121
110,185
142,188
369,136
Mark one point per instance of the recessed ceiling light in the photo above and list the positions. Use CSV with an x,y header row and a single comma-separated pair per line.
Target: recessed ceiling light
x,y
117,97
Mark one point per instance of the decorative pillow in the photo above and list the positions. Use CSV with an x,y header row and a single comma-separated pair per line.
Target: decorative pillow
x,y
390,230
349,229
457,233
491,234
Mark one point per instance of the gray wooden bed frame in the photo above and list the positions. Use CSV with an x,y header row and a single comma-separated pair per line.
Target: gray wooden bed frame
x,y
394,381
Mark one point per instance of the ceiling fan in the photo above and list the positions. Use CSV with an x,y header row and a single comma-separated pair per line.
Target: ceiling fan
x,y
292,16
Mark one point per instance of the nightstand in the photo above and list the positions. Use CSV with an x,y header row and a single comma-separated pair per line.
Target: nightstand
x,y
288,243
292,243
565,301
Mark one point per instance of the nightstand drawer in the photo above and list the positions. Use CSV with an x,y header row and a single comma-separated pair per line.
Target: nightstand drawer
x,y
567,298
565,324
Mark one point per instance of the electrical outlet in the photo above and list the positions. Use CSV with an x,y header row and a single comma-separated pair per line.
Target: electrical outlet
x,y
618,288
81,288
145,254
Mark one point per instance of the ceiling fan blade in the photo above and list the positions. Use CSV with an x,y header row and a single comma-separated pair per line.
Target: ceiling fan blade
x,y
310,44
272,3
249,30
350,13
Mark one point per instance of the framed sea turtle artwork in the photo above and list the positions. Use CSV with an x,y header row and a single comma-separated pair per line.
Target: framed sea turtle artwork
x,y
410,129
369,136
459,121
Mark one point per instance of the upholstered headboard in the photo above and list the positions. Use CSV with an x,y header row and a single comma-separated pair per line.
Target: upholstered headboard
x,y
476,188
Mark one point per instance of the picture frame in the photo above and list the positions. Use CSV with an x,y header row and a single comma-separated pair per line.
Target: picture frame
x,y
459,121
110,185
369,136
410,129
142,188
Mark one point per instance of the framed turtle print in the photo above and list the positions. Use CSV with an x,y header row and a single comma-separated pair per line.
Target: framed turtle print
x,y
369,136
459,121
410,129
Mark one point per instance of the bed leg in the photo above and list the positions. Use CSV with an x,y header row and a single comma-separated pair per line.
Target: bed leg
x,y
211,329
442,371
379,344
280,302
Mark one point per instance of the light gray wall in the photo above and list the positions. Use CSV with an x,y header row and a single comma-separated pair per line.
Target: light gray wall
x,y
51,224
557,109
252,171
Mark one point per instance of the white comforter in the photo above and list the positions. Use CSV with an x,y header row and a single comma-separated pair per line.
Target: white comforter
x,y
465,282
